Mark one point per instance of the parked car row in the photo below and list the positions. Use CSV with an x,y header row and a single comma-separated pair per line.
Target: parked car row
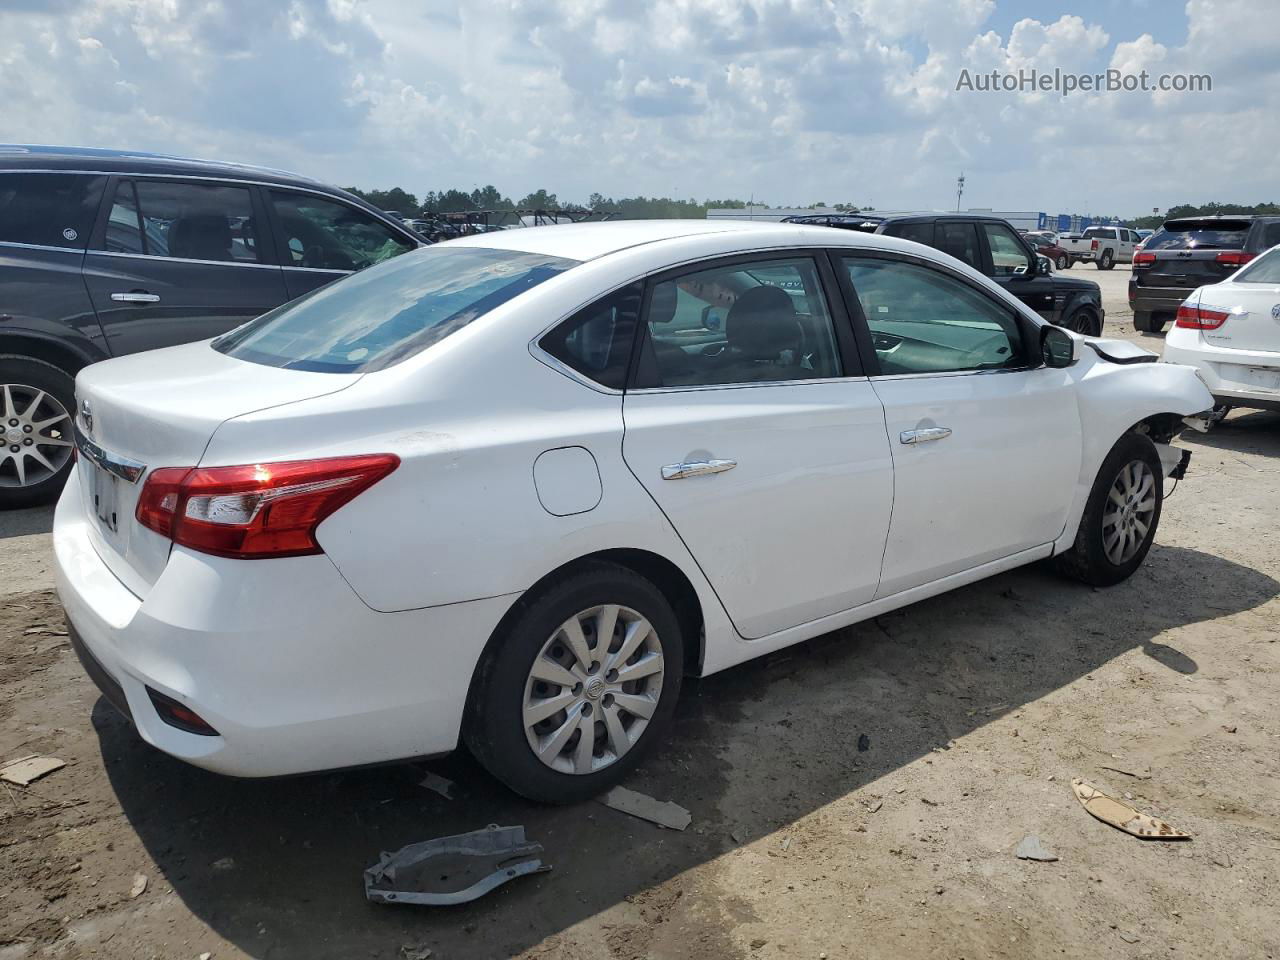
x,y
106,253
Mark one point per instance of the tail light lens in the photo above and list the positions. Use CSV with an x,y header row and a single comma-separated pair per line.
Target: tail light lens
x,y
1093,244
256,510
1143,259
1195,317
1234,258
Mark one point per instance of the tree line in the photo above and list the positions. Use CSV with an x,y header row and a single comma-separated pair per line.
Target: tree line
x,y
1207,210
490,198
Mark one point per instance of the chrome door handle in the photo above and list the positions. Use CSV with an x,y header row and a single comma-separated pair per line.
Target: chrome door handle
x,y
696,468
925,435
136,297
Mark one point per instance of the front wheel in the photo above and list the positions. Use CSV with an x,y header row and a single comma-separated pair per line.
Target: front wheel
x,y
1062,263
1084,321
579,685
1120,516
36,404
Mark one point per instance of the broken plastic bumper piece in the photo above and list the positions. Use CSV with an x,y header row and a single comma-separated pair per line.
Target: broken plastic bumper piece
x,y
454,869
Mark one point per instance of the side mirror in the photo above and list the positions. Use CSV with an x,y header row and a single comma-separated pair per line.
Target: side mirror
x,y
1044,266
1057,349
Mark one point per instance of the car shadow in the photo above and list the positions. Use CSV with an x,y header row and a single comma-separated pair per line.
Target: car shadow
x,y
785,732
1245,431
25,522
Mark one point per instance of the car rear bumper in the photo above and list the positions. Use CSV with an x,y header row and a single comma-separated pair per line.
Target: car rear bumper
x,y
1242,378
280,657
1157,299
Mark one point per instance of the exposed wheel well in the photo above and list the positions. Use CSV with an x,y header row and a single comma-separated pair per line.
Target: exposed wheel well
x,y
50,351
1160,427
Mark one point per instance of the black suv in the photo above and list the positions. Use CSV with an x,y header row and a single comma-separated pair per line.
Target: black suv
x,y
992,247
104,253
1188,253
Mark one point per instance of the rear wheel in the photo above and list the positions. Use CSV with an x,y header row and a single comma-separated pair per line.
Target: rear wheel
x,y
1121,515
1148,322
1063,262
1106,261
578,687
36,404
1084,321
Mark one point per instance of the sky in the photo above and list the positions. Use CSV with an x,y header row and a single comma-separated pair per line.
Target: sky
x,y
788,102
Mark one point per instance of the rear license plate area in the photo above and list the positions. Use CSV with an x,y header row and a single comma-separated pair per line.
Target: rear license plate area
x,y
1266,378
104,497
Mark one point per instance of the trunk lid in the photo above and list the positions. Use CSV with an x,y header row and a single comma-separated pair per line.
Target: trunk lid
x,y
1254,310
160,409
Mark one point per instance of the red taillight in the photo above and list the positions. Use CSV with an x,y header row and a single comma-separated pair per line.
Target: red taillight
x,y
1143,259
256,510
1200,318
1093,244
1234,258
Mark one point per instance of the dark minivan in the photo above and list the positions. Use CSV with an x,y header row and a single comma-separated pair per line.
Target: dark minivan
x,y
1188,253
104,253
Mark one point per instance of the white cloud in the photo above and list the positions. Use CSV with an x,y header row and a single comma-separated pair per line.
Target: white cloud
x,y
789,100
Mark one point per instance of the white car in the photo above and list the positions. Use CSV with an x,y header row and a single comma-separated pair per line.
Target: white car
x,y
1230,333
511,488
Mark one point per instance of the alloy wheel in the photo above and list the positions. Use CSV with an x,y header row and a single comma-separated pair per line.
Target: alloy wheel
x,y
592,689
36,432
1131,503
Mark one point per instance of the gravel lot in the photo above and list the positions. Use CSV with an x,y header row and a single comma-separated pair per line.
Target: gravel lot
x,y
978,708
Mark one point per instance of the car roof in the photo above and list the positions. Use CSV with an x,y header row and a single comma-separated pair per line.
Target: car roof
x,y
14,156
588,241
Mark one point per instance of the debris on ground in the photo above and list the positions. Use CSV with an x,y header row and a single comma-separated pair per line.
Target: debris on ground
x,y
663,813
864,743
1122,816
26,770
875,807
223,865
1136,774
786,844
139,886
410,951
1229,727
1031,848
457,869
437,784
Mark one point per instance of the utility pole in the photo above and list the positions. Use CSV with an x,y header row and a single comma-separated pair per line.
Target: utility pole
x,y
959,190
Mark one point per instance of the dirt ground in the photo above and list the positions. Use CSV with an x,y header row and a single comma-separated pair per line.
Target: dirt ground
x,y
977,709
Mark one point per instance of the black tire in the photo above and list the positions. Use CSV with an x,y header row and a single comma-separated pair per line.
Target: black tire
x,y
1063,262
1087,559
19,372
1106,261
494,727
1145,322
1084,321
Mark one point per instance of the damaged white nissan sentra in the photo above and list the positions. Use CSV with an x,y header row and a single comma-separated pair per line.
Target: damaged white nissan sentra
x,y
510,489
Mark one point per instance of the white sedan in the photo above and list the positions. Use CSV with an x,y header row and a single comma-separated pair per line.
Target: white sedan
x,y
1230,333
511,489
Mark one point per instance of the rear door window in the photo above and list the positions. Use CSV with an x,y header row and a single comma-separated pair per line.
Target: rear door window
x,y
186,221
373,319
1009,257
961,241
49,209
327,235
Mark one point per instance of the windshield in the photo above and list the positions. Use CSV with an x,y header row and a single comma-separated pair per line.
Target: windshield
x,y
1266,269
381,315
1199,235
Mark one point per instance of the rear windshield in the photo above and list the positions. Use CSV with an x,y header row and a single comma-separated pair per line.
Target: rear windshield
x,y
1100,233
1200,235
385,313
1266,269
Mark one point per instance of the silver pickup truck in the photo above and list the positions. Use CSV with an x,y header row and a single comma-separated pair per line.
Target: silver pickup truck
x,y
1102,246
